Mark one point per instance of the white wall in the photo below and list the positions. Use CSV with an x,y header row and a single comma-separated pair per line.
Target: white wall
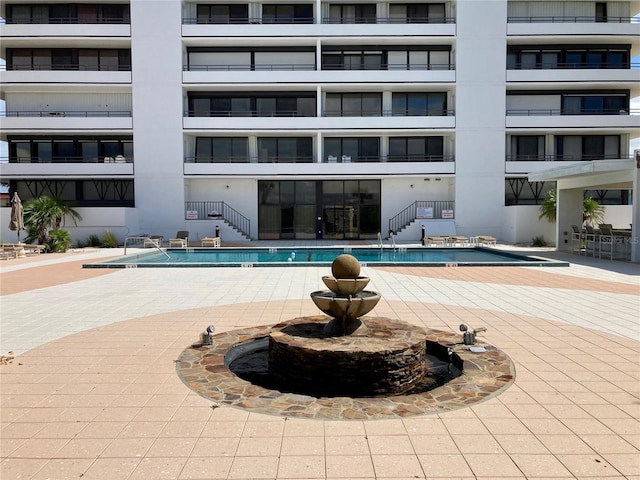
x,y
157,102
480,109
521,225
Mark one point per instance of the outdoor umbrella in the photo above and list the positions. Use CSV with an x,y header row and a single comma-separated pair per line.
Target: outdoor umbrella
x,y
17,215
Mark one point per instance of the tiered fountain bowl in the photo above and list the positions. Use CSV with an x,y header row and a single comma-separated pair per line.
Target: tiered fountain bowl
x,y
347,354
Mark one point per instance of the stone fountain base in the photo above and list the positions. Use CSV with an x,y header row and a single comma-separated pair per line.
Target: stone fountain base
x,y
383,357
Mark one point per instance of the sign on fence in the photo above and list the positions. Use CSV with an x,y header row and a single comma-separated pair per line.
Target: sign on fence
x,y
447,213
192,214
424,212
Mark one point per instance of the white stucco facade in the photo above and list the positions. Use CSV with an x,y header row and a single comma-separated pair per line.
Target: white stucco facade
x,y
471,59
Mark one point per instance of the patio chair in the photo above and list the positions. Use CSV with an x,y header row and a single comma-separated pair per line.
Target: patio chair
x,y
153,241
577,239
211,242
611,245
181,240
458,240
592,241
434,241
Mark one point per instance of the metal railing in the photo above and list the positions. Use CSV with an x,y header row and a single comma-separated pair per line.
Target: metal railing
x,y
219,209
573,19
409,214
434,19
246,20
388,113
558,111
245,113
584,157
574,66
389,66
146,241
38,20
287,67
67,67
71,159
64,113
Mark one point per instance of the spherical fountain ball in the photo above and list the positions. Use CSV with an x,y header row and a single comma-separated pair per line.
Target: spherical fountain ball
x,y
345,266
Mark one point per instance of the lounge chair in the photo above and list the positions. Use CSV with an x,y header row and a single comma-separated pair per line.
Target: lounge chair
x,y
485,240
181,240
211,242
434,241
458,240
153,241
592,241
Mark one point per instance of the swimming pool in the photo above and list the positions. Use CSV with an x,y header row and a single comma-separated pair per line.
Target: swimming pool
x,y
322,256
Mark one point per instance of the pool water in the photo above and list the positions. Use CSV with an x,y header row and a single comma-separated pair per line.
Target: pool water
x,y
279,257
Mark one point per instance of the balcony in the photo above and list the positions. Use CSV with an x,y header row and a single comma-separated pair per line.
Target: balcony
x,y
330,121
569,72
522,164
65,120
559,26
10,171
319,169
306,73
70,75
67,30
555,118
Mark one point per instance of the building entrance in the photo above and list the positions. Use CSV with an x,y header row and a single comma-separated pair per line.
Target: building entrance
x,y
318,209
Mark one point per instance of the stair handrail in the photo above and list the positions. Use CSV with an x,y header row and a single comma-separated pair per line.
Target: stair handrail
x,y
409,214
220,209
145,238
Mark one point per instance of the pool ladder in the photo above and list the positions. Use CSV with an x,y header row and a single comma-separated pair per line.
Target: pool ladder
x,y
145,238
392,241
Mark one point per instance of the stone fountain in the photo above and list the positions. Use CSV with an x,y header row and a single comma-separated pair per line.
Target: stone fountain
x,y
349,353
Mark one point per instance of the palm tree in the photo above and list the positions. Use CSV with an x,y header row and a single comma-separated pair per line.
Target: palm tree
x,y
592,211
44,213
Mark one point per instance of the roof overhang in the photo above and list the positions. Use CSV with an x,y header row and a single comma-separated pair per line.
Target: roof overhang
x,y
598,174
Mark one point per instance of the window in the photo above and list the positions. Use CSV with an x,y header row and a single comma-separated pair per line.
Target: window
x,y
358,13
69,59
290,105
601,11
520,191
416,149
351,149
587,147
69,150
222,150
596,57
417,13
285,149
595,104
527,148
287,13
353,104
223,14
419,104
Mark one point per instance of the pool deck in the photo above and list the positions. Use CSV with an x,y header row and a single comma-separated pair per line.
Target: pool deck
x,y
93,392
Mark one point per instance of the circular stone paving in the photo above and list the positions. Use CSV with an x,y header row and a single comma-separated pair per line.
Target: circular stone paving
x,y
203,369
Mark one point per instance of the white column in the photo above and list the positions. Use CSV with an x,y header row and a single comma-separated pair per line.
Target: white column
x,y
568,212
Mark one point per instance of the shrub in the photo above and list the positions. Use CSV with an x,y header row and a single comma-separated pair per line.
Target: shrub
x,y
59,240
539,241
109,240
94,241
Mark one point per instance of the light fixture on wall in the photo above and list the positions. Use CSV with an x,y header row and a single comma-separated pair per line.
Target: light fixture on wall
x,y
227,186
438,179
411,185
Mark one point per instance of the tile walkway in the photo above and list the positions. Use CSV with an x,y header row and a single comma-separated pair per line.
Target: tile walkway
x,y
93,391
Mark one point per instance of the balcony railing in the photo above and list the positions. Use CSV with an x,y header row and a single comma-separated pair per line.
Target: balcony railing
x,y
421,158
409,214
71,159
245,113
247,21
66,113
218,209
584,157
250,68
38,20
557,111
325,20
67,67
387,113
390,66
574,66
327,159
573,19
388,20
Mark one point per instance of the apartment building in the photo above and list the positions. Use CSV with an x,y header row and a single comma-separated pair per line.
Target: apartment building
x,y
318,119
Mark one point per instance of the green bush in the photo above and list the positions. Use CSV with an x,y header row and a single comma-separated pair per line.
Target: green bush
x,y
59,240
539,242
94,241
109,240
80,244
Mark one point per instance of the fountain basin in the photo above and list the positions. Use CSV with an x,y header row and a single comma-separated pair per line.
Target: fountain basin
x,y
346,286
345,308
388,359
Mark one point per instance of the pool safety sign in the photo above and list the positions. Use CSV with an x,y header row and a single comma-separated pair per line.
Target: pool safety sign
x,y
424,212
192,214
